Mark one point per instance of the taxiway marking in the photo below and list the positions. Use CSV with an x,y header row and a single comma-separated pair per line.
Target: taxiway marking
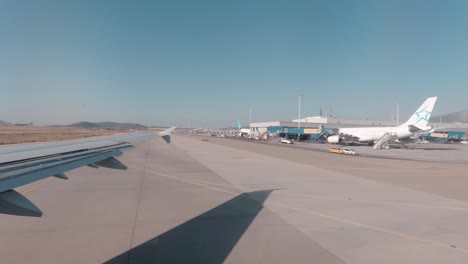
x,y
336,198
37,185
319,214
372,202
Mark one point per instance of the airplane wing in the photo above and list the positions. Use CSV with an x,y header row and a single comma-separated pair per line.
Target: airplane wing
x,y
24,164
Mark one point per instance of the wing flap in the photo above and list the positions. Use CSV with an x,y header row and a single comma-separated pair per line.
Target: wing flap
x,y
61,175
13,203
112,163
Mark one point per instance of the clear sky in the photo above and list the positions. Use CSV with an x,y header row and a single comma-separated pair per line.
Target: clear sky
x,y
204,62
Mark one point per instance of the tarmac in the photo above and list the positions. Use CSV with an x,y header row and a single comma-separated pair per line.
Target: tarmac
x,y
231,201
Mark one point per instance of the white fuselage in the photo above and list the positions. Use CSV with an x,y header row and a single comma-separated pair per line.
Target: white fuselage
x,y
244,132
366,134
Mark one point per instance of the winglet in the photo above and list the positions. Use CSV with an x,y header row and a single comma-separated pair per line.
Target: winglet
x,y
166,134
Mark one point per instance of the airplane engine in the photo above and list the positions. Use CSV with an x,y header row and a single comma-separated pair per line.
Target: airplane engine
x,y
334,139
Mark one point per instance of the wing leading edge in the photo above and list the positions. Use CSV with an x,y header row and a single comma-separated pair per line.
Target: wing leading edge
x,y
21,165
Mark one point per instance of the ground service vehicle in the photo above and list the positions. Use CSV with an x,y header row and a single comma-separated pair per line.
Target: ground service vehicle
x,y
349,151
336,150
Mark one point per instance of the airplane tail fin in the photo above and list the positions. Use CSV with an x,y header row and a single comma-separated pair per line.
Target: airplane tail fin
x,y
239,125
421,116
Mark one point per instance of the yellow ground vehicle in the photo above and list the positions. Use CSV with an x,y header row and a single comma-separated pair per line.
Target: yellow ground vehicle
x,y
336,150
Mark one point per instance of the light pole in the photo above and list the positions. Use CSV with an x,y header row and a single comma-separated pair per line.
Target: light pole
x,y
397,114
250,120
299,121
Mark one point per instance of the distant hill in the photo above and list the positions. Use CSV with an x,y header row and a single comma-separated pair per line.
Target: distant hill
x,y
457,117
108,125
3,123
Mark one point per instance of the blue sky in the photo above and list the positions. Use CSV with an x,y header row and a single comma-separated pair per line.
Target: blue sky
x,y
204,62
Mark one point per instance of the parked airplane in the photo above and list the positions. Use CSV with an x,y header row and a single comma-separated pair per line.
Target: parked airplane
x,y
381,135
243,132
19,124
24,164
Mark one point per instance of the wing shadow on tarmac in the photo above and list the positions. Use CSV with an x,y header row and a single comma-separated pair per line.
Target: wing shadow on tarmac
x,y
207,238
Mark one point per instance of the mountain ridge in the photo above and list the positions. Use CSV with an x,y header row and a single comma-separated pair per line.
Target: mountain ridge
x,y
4,123
455,117
108,125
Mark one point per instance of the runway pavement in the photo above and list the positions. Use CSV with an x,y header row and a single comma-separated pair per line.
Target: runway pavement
x,y
235,202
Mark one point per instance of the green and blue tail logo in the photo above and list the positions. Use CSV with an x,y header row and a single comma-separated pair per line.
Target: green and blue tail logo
x,y
423,115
